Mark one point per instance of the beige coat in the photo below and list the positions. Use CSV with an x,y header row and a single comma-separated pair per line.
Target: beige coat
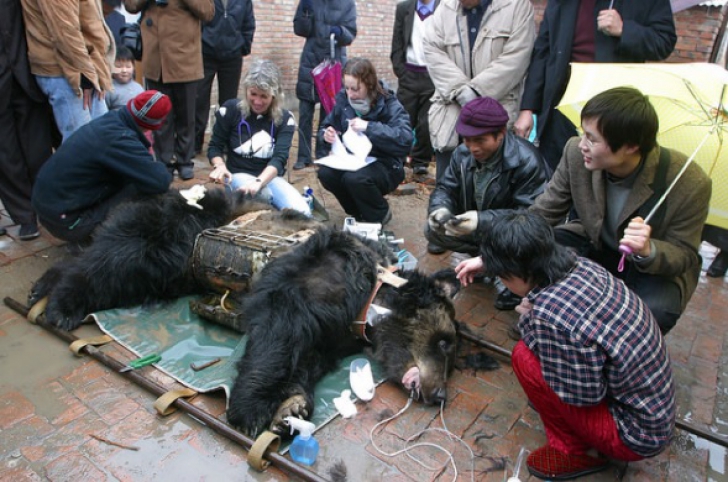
x,y
676,238
500,58
172,38
69,38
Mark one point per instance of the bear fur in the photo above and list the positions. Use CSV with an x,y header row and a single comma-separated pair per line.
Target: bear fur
x,y
140,254
299,327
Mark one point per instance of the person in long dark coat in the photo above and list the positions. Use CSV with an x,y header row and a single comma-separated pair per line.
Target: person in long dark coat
x,y
316,21
25,123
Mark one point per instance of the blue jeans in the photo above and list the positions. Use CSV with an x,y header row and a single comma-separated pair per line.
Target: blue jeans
x,y
68,106
277,192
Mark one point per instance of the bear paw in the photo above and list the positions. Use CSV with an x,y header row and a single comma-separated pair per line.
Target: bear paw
x,y
296,406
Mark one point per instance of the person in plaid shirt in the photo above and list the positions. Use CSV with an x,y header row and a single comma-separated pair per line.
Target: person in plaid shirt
x,y
591,360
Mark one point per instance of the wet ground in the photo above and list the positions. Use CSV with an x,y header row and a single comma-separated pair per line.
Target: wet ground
x,y
55,406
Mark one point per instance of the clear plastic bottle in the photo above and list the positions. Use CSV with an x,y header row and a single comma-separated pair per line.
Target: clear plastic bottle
x,y
304,448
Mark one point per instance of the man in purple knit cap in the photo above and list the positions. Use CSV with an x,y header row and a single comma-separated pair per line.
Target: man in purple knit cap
x,y
491,171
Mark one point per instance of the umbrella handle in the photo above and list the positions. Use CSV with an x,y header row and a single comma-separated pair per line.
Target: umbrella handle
x,y
626,251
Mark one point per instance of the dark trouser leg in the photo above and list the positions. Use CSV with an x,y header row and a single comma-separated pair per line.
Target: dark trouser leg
x,y
414,92
164,136
183,103
442,158
25,144
321,148
176,137
228,78
362,192
660,294
332,181
556,132
202,103
80,227
305,128
468,244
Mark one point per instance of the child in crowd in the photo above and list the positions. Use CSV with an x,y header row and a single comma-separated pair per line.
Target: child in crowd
x,y
125,87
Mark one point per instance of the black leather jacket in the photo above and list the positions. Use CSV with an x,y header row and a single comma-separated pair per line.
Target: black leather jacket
x,y
521,175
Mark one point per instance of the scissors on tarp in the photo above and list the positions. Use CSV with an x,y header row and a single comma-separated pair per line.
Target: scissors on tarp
x,y
141,362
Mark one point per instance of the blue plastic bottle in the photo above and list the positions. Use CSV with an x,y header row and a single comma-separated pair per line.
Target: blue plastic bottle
x,y
308,196
304,447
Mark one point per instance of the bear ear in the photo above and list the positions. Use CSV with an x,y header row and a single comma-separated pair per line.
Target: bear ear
x,y
447,281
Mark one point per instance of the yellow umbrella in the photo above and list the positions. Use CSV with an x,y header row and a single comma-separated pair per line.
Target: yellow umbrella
x,y
690,100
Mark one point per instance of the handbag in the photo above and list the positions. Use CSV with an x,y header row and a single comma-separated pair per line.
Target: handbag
x,y
131,38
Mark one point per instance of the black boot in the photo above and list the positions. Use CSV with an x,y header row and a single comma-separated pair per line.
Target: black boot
x,y
719,266
507,300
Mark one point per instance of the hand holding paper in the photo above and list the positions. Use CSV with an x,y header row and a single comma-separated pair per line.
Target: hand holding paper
x,y
350,153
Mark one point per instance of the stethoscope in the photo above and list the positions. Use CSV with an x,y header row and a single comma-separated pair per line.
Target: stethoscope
x,y
250,135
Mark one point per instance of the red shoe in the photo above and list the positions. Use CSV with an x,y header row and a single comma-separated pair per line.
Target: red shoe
x,y
549,463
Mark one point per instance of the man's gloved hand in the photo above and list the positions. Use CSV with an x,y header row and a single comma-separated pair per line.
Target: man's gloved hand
x,y
466,95
438,218
462,224
336,30
307,5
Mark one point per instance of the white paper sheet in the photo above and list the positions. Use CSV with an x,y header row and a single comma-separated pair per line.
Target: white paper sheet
x,y
353,159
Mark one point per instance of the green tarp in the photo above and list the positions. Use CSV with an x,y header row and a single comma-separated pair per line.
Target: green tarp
x,y
182,338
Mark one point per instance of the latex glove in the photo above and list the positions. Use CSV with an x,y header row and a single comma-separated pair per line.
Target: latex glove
x,y
462,224
336,30
465,96
307,5
438,218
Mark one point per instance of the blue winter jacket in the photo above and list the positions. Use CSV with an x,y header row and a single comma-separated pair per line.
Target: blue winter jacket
x,y
389,128
97,162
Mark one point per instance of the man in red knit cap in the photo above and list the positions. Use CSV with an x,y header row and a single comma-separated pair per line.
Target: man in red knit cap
x,y
103,163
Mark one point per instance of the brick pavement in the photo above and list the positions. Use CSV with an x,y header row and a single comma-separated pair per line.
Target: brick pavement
x,y
51,403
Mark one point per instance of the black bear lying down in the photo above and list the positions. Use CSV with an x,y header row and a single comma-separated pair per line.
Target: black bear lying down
x,y
299,326
300,309
140,254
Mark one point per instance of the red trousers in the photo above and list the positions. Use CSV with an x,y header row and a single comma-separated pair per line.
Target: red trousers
x,y
569,429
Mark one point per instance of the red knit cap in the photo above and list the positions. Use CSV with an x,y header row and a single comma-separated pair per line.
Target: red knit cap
x,y
481,116
149,109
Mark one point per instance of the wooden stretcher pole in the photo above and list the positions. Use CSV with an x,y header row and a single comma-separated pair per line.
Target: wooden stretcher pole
x,y
215,424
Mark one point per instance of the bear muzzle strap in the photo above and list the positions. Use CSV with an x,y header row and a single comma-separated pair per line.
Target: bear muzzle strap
x,y
384,275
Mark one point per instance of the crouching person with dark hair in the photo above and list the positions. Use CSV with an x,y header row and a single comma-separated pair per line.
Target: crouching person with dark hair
x,y
592,360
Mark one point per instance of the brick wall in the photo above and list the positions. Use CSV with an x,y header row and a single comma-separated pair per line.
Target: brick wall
x,y
275,40
697,29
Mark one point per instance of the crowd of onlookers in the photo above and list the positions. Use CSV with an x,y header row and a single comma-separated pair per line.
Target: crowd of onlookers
x,y
558,224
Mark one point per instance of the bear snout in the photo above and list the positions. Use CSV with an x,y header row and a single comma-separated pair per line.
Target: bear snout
x,y
439,395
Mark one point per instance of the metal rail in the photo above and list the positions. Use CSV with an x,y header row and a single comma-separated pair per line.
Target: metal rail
x,y
214,423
